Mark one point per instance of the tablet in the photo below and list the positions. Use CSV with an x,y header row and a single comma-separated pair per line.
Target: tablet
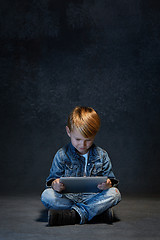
x,y
81,184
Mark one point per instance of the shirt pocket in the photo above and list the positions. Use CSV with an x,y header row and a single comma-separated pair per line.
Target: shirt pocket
x,y
97,170
70,171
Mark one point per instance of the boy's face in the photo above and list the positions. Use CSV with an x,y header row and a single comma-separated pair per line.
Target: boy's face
x,y
81,143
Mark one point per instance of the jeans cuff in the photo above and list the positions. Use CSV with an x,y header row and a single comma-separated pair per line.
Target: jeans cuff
x,y
83,219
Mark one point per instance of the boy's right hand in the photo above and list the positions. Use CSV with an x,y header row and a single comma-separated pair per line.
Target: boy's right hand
x,y
57,186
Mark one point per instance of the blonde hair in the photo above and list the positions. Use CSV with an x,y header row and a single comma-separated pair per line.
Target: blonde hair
x,y
85,119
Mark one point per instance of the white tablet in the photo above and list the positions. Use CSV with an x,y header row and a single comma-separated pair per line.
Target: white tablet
x,y
81,184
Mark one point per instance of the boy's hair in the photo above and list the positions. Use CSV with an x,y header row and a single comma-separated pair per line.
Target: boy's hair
x,y
85,119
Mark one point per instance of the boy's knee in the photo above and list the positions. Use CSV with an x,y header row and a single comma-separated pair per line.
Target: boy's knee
x,y
115,193
48,197
46,193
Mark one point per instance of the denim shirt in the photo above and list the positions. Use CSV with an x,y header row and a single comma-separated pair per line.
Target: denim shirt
x,y
68,163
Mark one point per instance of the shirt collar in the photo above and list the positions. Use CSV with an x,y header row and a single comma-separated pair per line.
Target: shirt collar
x,y
93,154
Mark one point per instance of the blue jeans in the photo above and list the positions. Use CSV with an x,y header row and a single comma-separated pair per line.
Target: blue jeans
x,y
87,205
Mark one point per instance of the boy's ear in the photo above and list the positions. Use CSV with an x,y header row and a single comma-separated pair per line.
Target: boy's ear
x,y
68,131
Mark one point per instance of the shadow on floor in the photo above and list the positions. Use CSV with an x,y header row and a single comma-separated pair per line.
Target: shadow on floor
x,y
43,216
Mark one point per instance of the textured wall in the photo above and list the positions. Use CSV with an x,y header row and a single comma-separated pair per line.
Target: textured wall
x,y
56,54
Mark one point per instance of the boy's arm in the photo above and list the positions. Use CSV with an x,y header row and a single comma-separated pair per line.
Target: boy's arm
x,y
57,169
107,170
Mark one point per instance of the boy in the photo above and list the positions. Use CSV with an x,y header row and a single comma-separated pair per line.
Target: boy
x,y
81,157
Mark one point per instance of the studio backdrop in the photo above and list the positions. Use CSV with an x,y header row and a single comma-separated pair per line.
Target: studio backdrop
x,y
57,54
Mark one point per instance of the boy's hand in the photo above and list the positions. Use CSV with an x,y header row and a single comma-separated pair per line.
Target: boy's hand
x,y
57,186
105,185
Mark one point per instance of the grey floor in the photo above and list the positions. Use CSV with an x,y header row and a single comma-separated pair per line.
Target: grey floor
x,y
23,217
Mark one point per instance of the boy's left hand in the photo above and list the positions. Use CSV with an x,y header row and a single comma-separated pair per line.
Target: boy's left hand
x,y
105,185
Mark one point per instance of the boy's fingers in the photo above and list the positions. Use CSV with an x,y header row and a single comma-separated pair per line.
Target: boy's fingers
x,y
108,181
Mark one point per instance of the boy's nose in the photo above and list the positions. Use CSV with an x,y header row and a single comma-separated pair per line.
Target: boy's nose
x,y
83,143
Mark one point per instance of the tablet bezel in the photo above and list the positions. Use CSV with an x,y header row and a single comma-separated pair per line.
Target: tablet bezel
x,y
82,184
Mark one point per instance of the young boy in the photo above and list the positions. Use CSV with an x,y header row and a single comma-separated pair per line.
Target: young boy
x,y
81,157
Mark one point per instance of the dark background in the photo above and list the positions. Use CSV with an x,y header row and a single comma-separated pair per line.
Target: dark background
x,y
56,54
